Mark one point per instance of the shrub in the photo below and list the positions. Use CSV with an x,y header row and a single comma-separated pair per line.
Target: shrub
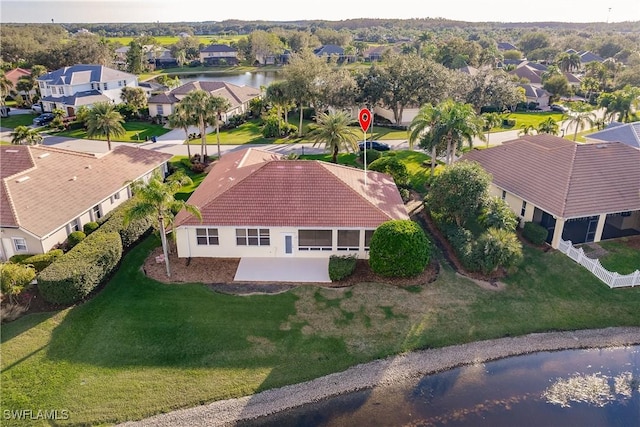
x,y
534,233
17,259
399,248
341,267
404,194
372,156
75,238
496,248
498,214
42,261
14,278
508,122
90,227
114,221
391,166
78,272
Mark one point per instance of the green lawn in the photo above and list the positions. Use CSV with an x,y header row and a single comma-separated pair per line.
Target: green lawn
x,y
175,162
17,120
528,119
622,258
135,132
141,347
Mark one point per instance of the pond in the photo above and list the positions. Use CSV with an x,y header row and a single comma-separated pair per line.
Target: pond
x,y
596,387
254,79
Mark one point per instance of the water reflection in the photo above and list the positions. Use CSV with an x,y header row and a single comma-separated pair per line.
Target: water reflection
x,y
568,388
254,79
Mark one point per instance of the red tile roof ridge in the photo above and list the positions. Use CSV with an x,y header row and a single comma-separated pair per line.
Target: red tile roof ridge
x,y
10,204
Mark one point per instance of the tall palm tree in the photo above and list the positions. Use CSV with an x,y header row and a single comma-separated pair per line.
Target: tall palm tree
x,y
157,197
104,120
549,126
276,95
220,106
25,135
180,119
197,104
526,130
457,123
334,132
419,130
5,87
491,120
578,118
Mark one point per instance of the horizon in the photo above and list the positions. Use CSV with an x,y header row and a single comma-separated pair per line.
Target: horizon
x,y
191,11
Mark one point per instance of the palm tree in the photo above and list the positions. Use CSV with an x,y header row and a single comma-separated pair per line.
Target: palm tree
x,y
25,135
197,105
549,126
457,123
578,118
104,120
276,95
491,120
180,119
157,197
419,130
526,130
219,105
5,86
334,132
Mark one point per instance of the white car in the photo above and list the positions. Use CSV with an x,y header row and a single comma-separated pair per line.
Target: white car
x,y
37,108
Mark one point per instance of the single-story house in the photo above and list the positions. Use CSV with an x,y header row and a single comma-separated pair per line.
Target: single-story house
x,y
254,203
219,54
627,133
330,51
47,193
238,96
14,76
506,46
578,192
536,94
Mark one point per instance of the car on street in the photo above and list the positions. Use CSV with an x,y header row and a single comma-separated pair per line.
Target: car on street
x,y
559,108
43,119
374,145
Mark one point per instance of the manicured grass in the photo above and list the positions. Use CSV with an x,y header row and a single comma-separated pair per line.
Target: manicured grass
x,y
529,119
622,258
169,40
419,167
16,120
347,159
141,347
136,132
175,162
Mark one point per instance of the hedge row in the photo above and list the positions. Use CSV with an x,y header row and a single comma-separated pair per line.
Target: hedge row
x,y
42,261
78,272
114,221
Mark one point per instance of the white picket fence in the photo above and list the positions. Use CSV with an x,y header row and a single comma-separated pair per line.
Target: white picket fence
x,y
613,280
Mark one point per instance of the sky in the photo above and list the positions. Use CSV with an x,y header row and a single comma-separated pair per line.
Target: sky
x,y
104,11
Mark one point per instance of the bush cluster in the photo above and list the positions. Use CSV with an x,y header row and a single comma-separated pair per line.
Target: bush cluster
x,y
42,261
114,221
535,233
372,156
341,267
75,238
90,227
399,248
78,272
391,166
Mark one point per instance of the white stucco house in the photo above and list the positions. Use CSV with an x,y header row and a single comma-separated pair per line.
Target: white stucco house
x,y
256,204
239,97
47,193
71,87
578,192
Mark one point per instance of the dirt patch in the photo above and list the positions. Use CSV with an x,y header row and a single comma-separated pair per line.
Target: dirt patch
x,y
632,242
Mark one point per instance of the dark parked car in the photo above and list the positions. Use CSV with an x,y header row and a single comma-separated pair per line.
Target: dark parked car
x,y
558,107
43,119
374,145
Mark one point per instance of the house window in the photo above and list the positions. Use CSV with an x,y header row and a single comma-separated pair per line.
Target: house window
x,y
504,194
315,240
207,236
74,225
524,209
367,238
104,86
348,240
120,83
96,212
20,244
161,109
252,237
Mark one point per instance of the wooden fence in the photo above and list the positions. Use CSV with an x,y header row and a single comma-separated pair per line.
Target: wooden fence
x,y
613,280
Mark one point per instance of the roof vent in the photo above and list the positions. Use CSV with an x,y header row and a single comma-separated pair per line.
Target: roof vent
x,y
11,151
88,167
22,179
601,146
73,178
43,155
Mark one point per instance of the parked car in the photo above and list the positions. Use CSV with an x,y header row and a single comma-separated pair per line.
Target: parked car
x,y
43,119
374,145
37,108
558,107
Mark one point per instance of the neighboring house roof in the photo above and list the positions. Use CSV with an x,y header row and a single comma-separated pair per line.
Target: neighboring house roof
x,y
564,178
253,187
89,97
524,70
378,51
236,95
587,56
219,48
572,78
82,74
163,98
533,91
627,133
14,75
506,46
329,49
468,69
63,184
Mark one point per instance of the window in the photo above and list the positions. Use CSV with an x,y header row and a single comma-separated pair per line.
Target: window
x,y
207,236
348,240
20,244
367,238
115,197
252,237
120,83
524,208
96,212
504,194
160,109
104,86
74,225
315,240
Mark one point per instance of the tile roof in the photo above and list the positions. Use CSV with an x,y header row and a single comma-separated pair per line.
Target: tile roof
x,y
236,95
63,184
163,98
329,49
89,97
627,133
219,48
84,73
14,159
14,75
253,187
565,179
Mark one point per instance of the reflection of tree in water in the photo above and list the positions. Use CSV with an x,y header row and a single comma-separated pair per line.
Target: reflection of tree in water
x,y
593,389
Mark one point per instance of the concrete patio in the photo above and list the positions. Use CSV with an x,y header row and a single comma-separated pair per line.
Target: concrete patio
x,y
298,270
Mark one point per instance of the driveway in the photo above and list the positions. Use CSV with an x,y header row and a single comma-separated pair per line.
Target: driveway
x,y
298,270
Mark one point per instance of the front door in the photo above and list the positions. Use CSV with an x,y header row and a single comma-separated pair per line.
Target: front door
x,y
288,244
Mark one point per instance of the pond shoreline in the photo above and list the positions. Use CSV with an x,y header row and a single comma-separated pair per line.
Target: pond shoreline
x,y
386,372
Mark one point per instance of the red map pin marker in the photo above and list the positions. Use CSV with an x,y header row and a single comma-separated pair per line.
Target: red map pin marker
x,y
364,117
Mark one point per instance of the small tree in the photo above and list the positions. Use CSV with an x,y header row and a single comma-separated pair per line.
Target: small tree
x,y
392,166
497,248
14,278
399,248
497,214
